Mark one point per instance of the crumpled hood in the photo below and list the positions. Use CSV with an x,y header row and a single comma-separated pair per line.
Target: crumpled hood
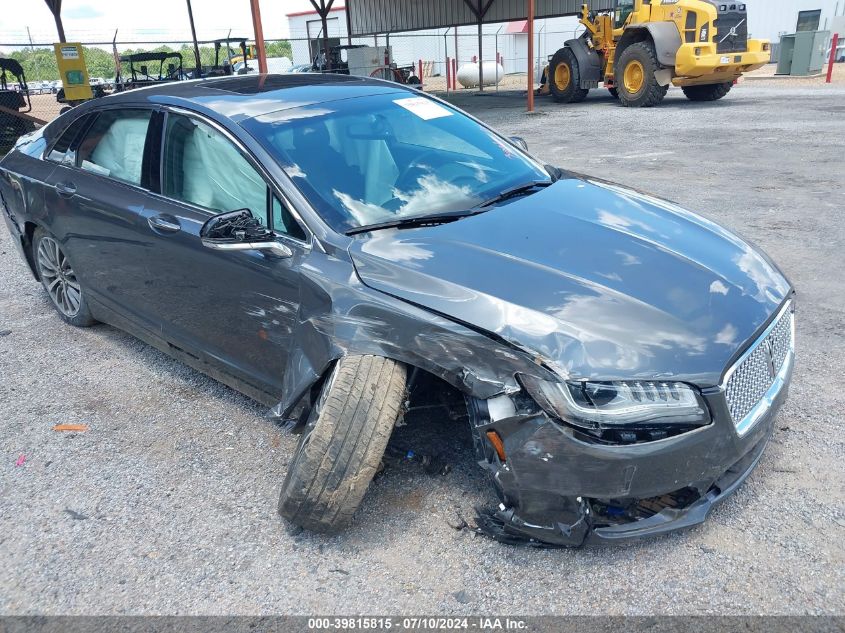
x,y
597,280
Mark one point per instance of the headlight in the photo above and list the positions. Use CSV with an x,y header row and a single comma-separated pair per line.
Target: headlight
x,y
597,405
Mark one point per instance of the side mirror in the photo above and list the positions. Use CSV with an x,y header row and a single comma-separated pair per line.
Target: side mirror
x,y
519,142
241,231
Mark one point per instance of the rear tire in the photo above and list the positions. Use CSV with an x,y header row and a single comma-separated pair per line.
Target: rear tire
x,y
708,92
634,77
564,79
59,280
343,442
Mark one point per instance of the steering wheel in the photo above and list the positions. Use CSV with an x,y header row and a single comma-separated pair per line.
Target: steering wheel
x,y
449,172
415,168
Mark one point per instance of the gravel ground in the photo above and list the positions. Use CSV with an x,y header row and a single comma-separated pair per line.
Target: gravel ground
x,y
167,503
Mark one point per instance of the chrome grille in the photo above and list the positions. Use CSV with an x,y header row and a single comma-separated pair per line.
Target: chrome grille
x,y
750,379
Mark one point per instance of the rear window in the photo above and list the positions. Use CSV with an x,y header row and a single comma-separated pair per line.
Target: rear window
x,y
61,151
114,145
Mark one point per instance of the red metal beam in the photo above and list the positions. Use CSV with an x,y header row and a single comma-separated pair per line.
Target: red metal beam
x,y
833,44
259,36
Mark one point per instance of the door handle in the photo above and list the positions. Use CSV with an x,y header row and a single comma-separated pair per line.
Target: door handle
x,y
66,189
166,223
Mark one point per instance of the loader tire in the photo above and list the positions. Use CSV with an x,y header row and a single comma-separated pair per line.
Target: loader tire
x,y
343,441
708,92
634,77
564,78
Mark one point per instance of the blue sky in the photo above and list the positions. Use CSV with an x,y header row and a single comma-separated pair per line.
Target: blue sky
x,y
96,20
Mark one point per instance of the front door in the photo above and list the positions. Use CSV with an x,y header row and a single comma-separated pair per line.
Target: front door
x,y
235,310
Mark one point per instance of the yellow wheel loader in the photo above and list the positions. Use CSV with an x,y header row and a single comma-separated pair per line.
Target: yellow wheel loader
x,y
641,47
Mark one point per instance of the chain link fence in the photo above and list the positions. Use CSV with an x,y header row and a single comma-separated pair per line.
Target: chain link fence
x,y
34,96
436,58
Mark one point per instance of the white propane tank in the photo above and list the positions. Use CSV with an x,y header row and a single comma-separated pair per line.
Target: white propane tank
x,y
468,74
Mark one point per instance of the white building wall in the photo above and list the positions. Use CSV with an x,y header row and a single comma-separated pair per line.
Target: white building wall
x,y
769,19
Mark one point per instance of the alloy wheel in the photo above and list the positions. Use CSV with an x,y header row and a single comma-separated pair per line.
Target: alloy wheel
x,y
58,277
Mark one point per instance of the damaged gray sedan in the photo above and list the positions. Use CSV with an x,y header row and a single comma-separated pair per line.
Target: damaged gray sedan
x,y
326,243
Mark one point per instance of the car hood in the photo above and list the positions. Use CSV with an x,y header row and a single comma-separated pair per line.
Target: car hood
x,y
596,280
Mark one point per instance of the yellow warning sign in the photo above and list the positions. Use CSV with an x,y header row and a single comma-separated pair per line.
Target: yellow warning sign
x,y
72,71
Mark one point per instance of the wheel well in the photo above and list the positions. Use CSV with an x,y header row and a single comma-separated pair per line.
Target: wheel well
x,y
26,242
631,36
425,391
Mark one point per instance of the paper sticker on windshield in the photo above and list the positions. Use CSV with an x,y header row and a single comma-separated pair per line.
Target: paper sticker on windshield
x,y
424,108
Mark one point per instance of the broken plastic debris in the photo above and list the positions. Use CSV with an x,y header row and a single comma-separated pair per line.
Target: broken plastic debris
x,y
20,460
71,427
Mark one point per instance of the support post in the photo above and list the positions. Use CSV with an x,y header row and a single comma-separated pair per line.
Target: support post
x,y
259,36
197,60
323,11
55,7
833,44
348,26
530,27
480,54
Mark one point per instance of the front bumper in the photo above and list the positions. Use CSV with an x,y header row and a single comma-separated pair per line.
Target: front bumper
x,y
710,66
559,490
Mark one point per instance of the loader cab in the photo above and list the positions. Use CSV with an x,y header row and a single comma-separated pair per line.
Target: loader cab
x,y
624,8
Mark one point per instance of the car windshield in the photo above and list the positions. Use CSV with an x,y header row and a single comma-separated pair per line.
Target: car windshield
x,y
375,159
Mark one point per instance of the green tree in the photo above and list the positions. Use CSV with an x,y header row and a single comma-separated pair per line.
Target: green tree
x,y
278,49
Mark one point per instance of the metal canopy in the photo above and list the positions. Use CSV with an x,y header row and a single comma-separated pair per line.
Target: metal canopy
x,y
372,17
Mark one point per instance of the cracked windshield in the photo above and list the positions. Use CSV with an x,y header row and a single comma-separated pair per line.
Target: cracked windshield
x,y
390,157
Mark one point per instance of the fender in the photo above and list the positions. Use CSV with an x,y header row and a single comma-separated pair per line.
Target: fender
x,y
665,35
589,62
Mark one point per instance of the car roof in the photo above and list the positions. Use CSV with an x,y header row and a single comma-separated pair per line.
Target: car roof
x,y
245,96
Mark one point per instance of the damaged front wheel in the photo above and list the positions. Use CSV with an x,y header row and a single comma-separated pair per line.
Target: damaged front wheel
x,y
343,442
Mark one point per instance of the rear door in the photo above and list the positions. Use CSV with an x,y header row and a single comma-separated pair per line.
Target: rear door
x,y
96,199
234,310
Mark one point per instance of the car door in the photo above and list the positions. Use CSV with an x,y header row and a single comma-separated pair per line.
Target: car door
x,y
234,310
96,197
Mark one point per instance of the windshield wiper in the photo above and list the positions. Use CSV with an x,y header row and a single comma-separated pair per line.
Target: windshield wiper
x,y
418,220
442,218
512,192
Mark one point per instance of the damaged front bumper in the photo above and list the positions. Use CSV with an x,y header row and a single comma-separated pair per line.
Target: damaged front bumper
x,y
558,488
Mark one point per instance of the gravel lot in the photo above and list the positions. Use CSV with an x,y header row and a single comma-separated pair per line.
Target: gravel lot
x,y
167,504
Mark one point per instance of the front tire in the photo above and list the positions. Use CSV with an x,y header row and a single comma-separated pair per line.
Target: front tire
x,y
343,442
59,280
634,77
708,92
564,79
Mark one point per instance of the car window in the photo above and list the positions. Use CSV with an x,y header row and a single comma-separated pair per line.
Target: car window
x,y
203,167
373,159
61,149
413,130
114,145
283,221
